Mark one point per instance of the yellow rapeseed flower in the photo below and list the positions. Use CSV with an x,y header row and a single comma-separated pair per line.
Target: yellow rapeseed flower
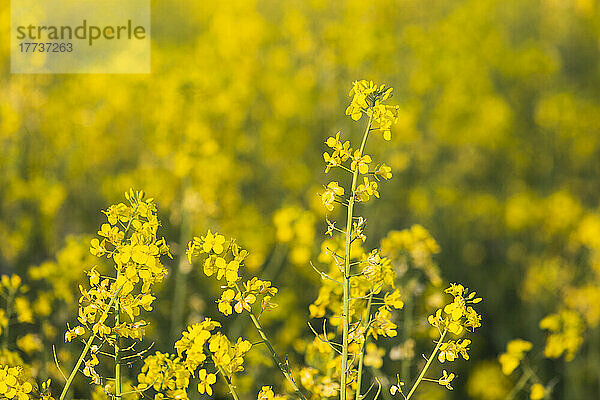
x,y
446,379
515,352
213,242
538,392
332,190
206,380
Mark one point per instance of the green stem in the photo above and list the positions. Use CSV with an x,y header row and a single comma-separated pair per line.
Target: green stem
x,y
88,344
362,350
527,374
276,359
346,282
117,347
87,347
118,317
229,384
429,360
377,374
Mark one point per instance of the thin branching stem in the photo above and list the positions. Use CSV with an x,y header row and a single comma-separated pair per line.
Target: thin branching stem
x,y
57,363
346,283
323,274
88,344
276,358
362,350
118,317
282,366
520,384
117,347
429,360
330,343
229,384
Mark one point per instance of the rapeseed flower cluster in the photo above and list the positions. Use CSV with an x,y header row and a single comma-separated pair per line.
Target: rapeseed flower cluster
x,y
515,357
12,385
565,334
130,239
367,98
201,352
165,374
358,293
577,311
453,318
224,258
266,393
458,315
515,352
464,72
19,336
18,308
361,292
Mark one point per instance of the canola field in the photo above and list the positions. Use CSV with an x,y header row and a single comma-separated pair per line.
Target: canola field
x,y
310,200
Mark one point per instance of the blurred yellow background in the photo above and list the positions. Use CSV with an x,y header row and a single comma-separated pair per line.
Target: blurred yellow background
x,y
496,153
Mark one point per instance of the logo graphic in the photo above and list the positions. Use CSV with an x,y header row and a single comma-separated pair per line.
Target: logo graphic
x,y
83,36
